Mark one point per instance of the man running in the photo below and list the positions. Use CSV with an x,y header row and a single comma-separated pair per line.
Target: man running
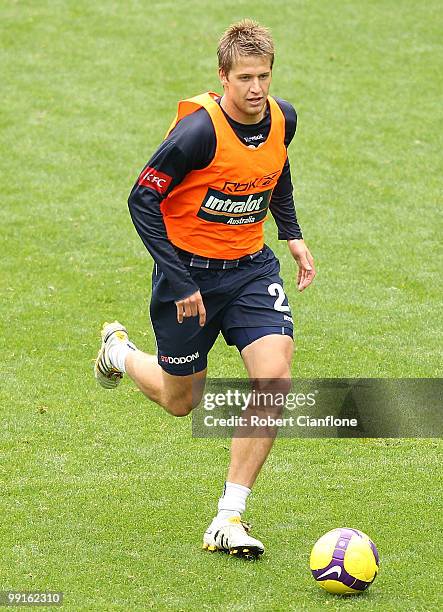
x,y
199,206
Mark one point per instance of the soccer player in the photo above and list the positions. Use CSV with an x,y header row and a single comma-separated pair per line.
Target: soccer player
x,y
199,206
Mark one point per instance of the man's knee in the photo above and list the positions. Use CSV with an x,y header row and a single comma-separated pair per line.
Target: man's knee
x,y
181,404
180,394
280,383
271,387
178,409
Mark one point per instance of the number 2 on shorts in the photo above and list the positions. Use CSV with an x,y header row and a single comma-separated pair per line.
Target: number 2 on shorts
x,y
277,290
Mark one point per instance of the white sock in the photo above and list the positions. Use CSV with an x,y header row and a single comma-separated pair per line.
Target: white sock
x,y
233,500
118,351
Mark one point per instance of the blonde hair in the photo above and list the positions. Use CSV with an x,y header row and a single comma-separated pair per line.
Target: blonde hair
x,y
246,37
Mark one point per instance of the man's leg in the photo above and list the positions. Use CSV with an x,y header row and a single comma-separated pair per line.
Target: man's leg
x,y
268,362
178,395
268,359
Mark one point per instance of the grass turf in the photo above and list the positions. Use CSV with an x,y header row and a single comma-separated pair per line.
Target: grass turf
x,y
103,496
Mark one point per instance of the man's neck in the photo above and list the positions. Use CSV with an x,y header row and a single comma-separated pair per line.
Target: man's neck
x,y
244,119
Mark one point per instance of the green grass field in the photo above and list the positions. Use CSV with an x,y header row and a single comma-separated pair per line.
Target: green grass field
x,y
102,495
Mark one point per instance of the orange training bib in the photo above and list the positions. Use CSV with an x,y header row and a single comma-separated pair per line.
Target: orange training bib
x,y
219,211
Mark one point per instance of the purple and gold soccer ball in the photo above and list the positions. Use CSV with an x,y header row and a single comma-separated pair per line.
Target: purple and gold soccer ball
x,y
344,561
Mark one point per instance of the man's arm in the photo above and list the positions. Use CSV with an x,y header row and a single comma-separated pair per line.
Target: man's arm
x,y
282,208
144,205
188,147
282,201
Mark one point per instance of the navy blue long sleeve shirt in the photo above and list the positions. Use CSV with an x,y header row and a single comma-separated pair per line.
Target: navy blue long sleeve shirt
x,y
191,146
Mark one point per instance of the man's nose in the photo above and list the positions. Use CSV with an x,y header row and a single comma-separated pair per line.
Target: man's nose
x,y
255,86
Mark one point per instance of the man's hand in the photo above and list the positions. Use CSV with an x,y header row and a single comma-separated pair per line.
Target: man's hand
x,y
305,262
191,307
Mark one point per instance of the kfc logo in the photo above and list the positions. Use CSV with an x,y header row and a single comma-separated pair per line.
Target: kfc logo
x,y
150,177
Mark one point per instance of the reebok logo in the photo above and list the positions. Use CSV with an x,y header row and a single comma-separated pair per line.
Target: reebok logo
x,y
263,181
178,360
253,138
156,180
220,207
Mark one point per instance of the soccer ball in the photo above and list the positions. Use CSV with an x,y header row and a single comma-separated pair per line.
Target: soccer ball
x,y
344,561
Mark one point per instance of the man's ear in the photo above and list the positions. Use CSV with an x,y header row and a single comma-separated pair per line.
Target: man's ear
x,y
223,77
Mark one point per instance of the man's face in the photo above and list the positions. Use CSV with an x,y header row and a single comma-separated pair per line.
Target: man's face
x,y
246,88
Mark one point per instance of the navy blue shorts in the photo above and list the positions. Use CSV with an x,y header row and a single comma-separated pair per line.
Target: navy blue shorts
x,y
243,303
